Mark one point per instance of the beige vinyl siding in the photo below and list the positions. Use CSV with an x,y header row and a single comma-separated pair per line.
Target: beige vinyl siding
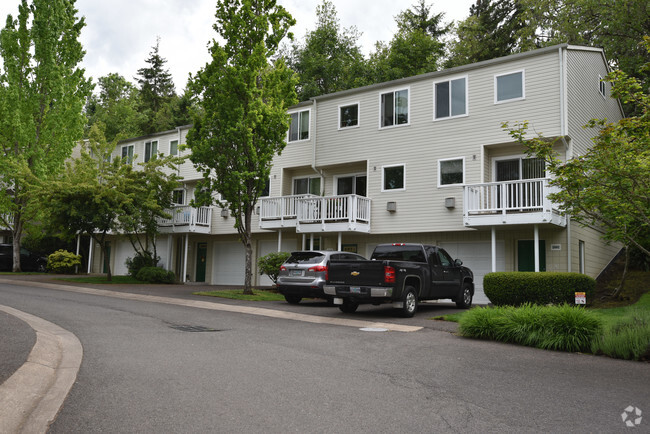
x,y
597,253
585,101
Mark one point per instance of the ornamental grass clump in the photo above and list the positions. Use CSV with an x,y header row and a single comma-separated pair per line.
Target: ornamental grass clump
x,y
564,327
628,338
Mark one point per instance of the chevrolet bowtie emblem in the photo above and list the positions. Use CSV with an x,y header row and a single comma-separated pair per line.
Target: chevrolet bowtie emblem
x,y
355,273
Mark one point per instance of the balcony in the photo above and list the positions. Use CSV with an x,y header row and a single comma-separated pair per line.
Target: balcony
x,y
309,213
510,203
185,219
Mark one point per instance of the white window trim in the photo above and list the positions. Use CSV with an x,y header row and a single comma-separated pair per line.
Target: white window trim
x,y
336,180
184,191
440,184
358,104
308,131
382,177
521,157
133,156
523,86
602,87
178,145
151,154
293,183
450,79
397,89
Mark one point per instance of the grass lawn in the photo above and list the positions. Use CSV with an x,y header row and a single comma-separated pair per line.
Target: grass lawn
x,y
22,273
237,294
102,280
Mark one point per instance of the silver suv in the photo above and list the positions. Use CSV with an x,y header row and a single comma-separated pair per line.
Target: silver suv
x,y
303,275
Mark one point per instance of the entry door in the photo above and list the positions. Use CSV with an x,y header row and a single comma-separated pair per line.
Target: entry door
x,y
526,255
201,259
351,185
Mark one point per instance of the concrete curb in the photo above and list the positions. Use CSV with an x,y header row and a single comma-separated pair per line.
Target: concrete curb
x,y
31,398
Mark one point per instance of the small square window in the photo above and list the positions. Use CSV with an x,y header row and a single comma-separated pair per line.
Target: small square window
x,y
451,171
509,87
451,98
348,116
393,178
394,108
299,129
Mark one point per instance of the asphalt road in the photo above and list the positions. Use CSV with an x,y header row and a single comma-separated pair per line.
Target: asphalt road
x,y
144,370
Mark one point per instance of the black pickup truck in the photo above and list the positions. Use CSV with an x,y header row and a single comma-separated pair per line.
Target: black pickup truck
x,y
401,274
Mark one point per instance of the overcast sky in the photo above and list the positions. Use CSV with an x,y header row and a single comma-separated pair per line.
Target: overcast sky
x,y
119,34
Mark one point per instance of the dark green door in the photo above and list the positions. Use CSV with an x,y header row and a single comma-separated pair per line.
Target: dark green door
x,y
107,257
201,259
526,255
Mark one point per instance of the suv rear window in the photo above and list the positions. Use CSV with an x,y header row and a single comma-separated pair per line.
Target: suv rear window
x,y
398,253
305,258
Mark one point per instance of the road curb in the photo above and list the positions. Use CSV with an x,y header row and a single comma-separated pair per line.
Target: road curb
x,y
31,398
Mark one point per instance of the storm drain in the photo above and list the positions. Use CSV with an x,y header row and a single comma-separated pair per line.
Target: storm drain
x,y
192,328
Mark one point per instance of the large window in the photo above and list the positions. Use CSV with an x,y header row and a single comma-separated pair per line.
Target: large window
x,y
150,150
178,197
355,184
394,108
306,186
509,87
349,116
393,177
173,147
451,171
450,98
299,129
127,154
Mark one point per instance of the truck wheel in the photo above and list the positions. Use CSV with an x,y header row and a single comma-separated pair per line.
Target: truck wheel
x,y
349,306
464,298
292,299
409,302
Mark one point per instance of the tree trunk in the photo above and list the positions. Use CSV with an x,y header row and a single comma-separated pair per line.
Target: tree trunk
x,y
17,234
248,287
618,290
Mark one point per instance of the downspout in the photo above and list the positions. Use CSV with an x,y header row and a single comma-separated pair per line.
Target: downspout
x,y
314,140
564,127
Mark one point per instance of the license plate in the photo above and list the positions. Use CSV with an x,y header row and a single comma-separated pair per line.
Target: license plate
x,y
296,272
355,289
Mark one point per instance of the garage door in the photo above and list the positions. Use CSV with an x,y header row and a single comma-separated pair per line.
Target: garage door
x,y
123,250
477,256
270,246
229,263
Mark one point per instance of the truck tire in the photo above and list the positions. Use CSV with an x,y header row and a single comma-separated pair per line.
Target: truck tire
x,y
409,302
349,306
464,298
292,299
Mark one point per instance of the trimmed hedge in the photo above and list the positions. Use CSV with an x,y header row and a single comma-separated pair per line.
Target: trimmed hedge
x,y
155,275
517,288
63,262
139,261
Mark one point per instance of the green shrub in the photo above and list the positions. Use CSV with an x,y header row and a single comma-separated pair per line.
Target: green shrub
x,y
270,264
565,328
63,262
517,288
155,275
627,339
139,261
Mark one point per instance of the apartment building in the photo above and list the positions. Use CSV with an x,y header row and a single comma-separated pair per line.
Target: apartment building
x,y
420,159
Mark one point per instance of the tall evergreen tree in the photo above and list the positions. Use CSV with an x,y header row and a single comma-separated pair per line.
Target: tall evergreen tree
x,y
329,59
42,93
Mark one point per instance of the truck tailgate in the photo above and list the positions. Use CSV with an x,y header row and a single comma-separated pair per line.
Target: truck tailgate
x,y
356,273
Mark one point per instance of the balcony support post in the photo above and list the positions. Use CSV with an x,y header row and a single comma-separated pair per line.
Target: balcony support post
x,y
536,248
90,255
339,242
187,236
311,241
279,241
494,249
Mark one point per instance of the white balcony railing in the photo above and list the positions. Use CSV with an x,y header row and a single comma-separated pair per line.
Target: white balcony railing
x,y
510,202
329,213
185,218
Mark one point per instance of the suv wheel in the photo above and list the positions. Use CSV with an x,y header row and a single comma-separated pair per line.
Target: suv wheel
x,y
464,298
292,299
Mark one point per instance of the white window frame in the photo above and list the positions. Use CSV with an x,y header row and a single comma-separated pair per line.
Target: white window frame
x,y
602,88
293,184
129,158
358,104
440,184
182,190
152,156
170,147
521,157
383,174
523,86
449,80
355,175
299,112
408,107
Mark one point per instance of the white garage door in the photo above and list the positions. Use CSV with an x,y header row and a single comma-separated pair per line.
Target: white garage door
x,y
229,263
123,250
270,246
477,256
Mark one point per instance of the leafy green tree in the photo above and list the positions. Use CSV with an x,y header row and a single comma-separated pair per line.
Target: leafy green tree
x,y
244,100
156,91
416,48
42,92
117,107
493,29
329,59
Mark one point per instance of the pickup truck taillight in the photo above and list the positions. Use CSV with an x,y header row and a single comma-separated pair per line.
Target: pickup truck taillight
x,y
320,268
389,274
